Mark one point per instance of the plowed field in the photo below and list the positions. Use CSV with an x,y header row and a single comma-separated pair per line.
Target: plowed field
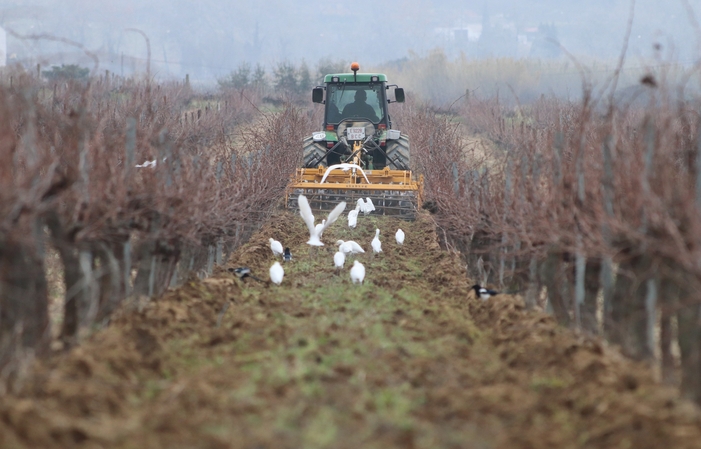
x,y
409,359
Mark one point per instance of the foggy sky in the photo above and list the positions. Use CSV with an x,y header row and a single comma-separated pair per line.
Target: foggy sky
x,y
210,38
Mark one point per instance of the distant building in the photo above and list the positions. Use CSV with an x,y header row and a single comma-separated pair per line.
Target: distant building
x,y
3,48
462,34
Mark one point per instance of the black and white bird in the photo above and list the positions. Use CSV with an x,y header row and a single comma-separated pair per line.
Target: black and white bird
x,y
287,257
484,293
243,273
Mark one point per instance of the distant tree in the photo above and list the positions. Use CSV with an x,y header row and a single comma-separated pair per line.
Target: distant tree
x,y
328,65
238,79
304,78
285,77
260,79
66,72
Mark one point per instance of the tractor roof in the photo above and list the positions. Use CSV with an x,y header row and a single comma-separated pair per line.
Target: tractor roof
x,y
361,78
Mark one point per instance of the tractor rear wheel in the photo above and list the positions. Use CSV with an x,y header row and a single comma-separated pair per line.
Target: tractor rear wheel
x,y
312,153
398,153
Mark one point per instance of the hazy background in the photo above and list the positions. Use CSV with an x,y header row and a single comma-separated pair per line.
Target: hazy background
x,y
208,39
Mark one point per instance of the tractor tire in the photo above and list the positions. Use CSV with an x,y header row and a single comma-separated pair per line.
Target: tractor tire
x,y
312,153
398,153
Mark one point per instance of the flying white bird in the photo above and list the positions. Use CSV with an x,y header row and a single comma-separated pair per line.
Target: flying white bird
x,y
369,206
376,243
353,217
399,236
276,247
357,273
315,232
360,204
349,247
320,228
338,260
146,164
277,273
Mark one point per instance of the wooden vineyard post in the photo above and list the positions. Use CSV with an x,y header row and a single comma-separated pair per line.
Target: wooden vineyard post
x,y
607,279
688,315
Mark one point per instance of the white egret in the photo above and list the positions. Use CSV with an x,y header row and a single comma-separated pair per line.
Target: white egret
x,y
399,236
357,273
338,260
376,243
276,247
369,206
314,231
353,217
277,273
360,205
349,247
320,228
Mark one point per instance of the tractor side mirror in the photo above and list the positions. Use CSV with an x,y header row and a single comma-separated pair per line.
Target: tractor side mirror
x,y
399,95
318,95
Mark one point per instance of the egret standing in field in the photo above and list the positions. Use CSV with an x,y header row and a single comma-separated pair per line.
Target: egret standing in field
x,y
349,247
357,273
276,247
376,243
338,260
315,231
353,217
369,206
277,273
399,236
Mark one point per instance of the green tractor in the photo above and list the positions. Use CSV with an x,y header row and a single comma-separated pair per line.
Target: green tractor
x,y
356,110
357,154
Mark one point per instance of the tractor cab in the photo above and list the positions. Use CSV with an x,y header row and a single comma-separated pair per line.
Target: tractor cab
x,y
356,113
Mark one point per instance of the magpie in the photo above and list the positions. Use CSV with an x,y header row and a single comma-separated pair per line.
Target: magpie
x,y
243,273
288,255
484,293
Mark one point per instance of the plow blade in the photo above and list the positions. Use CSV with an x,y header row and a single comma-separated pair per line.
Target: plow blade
x,y
393,192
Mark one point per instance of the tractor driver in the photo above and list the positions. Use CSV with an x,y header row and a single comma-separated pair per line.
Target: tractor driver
x,y
359,108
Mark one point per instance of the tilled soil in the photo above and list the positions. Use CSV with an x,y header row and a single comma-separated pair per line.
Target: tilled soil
x,y
409,359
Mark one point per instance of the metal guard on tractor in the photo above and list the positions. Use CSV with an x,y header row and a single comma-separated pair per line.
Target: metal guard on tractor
x,y
357,154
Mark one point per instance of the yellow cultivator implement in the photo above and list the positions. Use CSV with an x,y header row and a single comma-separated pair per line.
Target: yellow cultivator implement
x,y
393,192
